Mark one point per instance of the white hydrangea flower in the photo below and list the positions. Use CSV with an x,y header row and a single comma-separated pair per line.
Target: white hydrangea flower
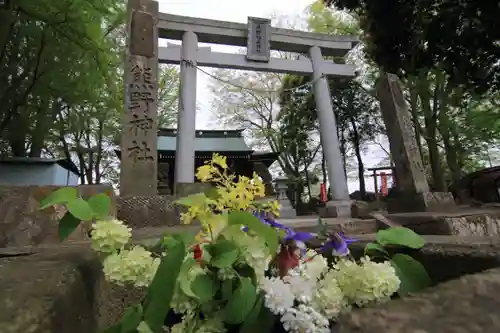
x,y
136,266
278,295
314,265
367,282
304,319
301,286
109,235
328,297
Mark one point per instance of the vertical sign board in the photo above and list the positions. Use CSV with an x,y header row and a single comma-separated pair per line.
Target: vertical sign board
x,y
139,158
323,196
258,48
383,186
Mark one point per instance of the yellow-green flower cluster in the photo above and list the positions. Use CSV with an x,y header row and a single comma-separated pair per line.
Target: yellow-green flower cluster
x,y
230,195
366,282
109,236
135,266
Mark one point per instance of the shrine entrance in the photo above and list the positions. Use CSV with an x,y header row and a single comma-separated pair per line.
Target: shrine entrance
x,y
146,25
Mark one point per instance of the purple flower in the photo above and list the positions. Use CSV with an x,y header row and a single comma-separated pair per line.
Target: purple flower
x,y
338,244
290,234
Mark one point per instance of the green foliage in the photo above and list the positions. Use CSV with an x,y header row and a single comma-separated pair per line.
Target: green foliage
x,y
259,319
80,209
100,204
412,274
131,319
161,289
96,207
204,287
223,253
67,225
458,36
241,302
60,196
375,248
267,233
400,236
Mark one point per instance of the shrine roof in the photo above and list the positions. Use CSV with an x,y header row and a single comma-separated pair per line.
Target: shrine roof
x,y
206,140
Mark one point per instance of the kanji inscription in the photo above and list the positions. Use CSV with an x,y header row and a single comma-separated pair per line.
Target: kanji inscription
x,y
138,176
140,151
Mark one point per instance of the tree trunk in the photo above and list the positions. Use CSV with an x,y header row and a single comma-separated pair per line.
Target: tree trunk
x,y
430,118
357,150
414,114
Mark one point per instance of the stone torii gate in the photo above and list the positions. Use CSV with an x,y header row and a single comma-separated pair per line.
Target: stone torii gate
x,y
146,25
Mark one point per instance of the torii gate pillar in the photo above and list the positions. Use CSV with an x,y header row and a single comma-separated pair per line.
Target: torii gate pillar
x,y
340,205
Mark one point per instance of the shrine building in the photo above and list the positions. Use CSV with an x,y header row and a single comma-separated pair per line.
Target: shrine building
x,y
241,159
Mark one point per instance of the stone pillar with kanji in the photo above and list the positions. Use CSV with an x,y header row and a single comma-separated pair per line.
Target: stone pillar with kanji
x,y
413,193
139,156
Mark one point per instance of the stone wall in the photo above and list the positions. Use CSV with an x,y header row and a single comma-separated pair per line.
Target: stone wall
x,y
483,222
22,223
59,291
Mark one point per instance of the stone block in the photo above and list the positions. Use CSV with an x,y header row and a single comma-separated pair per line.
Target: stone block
x,y
335,209
361,210
22,223
420,202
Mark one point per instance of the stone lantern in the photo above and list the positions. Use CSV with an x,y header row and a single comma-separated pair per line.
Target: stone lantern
x,y
286,209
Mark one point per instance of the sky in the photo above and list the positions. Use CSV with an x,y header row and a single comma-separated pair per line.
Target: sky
x,y
238,11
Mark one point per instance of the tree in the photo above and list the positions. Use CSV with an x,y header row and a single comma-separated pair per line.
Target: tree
x,y
63,95
51,53
441,84
460,36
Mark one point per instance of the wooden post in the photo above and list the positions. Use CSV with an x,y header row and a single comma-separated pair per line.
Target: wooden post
x,y
139,157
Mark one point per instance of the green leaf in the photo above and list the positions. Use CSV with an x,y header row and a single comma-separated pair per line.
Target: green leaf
x,y
67,225
250,322
58,197
162,287
80,209
241,302
375,247
212,193
224,253
412,274
131,319
227,289
400,236
144,328
100,204
184,282
259,320
192,200
247,271
266,232
203,286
